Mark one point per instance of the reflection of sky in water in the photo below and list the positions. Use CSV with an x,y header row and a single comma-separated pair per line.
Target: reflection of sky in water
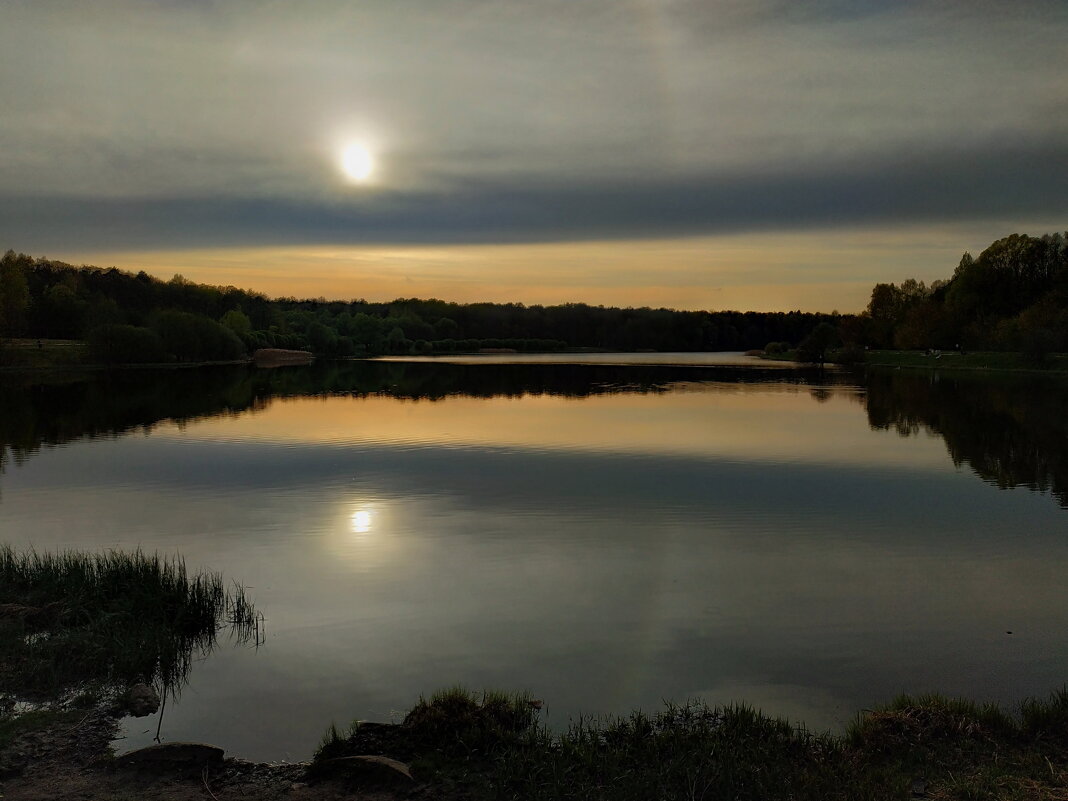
x,y
608,552
746,422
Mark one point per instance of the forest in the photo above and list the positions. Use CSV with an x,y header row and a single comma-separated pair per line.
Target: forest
x,y
136,318
1013,297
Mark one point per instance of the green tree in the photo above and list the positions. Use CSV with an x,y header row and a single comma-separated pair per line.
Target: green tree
x,y
190,337
14,292
60,313
396,341
322,338
815,346
125,344
238,322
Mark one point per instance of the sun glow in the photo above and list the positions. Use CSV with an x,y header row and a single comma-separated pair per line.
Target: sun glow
x,y
357,162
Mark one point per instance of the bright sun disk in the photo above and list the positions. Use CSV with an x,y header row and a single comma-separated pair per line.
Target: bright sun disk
x,y
357,163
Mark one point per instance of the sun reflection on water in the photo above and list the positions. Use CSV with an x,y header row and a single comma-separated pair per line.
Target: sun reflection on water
x,y
362,535
361,521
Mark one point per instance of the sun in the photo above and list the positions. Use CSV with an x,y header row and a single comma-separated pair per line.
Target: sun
x,y
357,162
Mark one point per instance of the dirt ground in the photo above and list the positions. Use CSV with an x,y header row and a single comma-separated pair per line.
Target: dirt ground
x,y
67,762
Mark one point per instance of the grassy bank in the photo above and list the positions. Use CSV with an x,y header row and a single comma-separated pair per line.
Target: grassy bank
x,y
492,746
981,360
71,354
949,360
42,354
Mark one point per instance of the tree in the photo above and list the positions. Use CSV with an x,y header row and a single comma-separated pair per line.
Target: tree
x,y
322,338
814,347
238,322
884,309
190,337
60,313
396,340
14,292
125,344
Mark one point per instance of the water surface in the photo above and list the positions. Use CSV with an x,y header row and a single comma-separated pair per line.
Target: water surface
x,y
605,535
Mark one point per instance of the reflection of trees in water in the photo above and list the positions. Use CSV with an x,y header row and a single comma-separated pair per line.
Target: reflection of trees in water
x,y
1012,431
44,412
36,412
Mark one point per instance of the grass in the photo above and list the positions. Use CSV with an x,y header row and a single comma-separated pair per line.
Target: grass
x,y
949,360
112,618
12,726
978,360
782,356
493,746
50,353
455,736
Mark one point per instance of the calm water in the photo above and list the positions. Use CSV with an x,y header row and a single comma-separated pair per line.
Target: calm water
x,y
603,534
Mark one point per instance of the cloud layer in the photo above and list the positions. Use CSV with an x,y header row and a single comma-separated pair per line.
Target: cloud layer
x,y
169,124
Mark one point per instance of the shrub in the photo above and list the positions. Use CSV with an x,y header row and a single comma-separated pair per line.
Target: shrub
x,y
125,344
190,337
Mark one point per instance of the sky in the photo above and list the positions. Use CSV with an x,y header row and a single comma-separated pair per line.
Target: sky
x,y
715,154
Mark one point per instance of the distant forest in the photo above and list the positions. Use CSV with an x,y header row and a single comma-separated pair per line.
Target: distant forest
x,y
1014,296
138,318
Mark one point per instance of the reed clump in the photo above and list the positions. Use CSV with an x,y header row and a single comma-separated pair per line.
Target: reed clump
x,y
118,617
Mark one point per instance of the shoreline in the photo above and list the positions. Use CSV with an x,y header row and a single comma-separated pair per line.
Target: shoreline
x,y
993,362
462,745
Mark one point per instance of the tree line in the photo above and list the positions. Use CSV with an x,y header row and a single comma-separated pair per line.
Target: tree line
x,y
1013,297
127,317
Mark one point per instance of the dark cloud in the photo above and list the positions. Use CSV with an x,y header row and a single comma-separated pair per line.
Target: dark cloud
x,y
1006,181
188,124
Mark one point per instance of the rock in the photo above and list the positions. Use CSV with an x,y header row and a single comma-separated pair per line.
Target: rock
x,y
373,768
15,611
141,700
172,755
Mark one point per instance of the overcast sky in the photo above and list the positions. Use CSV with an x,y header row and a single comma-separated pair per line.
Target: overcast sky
x,y
617,151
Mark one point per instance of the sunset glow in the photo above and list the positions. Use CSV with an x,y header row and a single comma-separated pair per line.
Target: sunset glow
x,y
672,164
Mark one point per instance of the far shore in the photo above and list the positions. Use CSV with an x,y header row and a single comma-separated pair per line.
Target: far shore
x,y
71,355
980,361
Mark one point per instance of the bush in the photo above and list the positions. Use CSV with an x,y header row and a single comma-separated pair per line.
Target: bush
x,y
814,347
125,344
190,337
850,354
1037,344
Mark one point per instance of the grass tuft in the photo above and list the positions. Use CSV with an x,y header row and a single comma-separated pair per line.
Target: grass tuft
x,y
67,618
1046,720
910,722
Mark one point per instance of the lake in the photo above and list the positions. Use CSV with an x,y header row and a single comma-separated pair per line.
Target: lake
x,y
606,531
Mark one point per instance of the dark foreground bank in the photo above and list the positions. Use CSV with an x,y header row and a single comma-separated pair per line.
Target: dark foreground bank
x,y
489,746
77,631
